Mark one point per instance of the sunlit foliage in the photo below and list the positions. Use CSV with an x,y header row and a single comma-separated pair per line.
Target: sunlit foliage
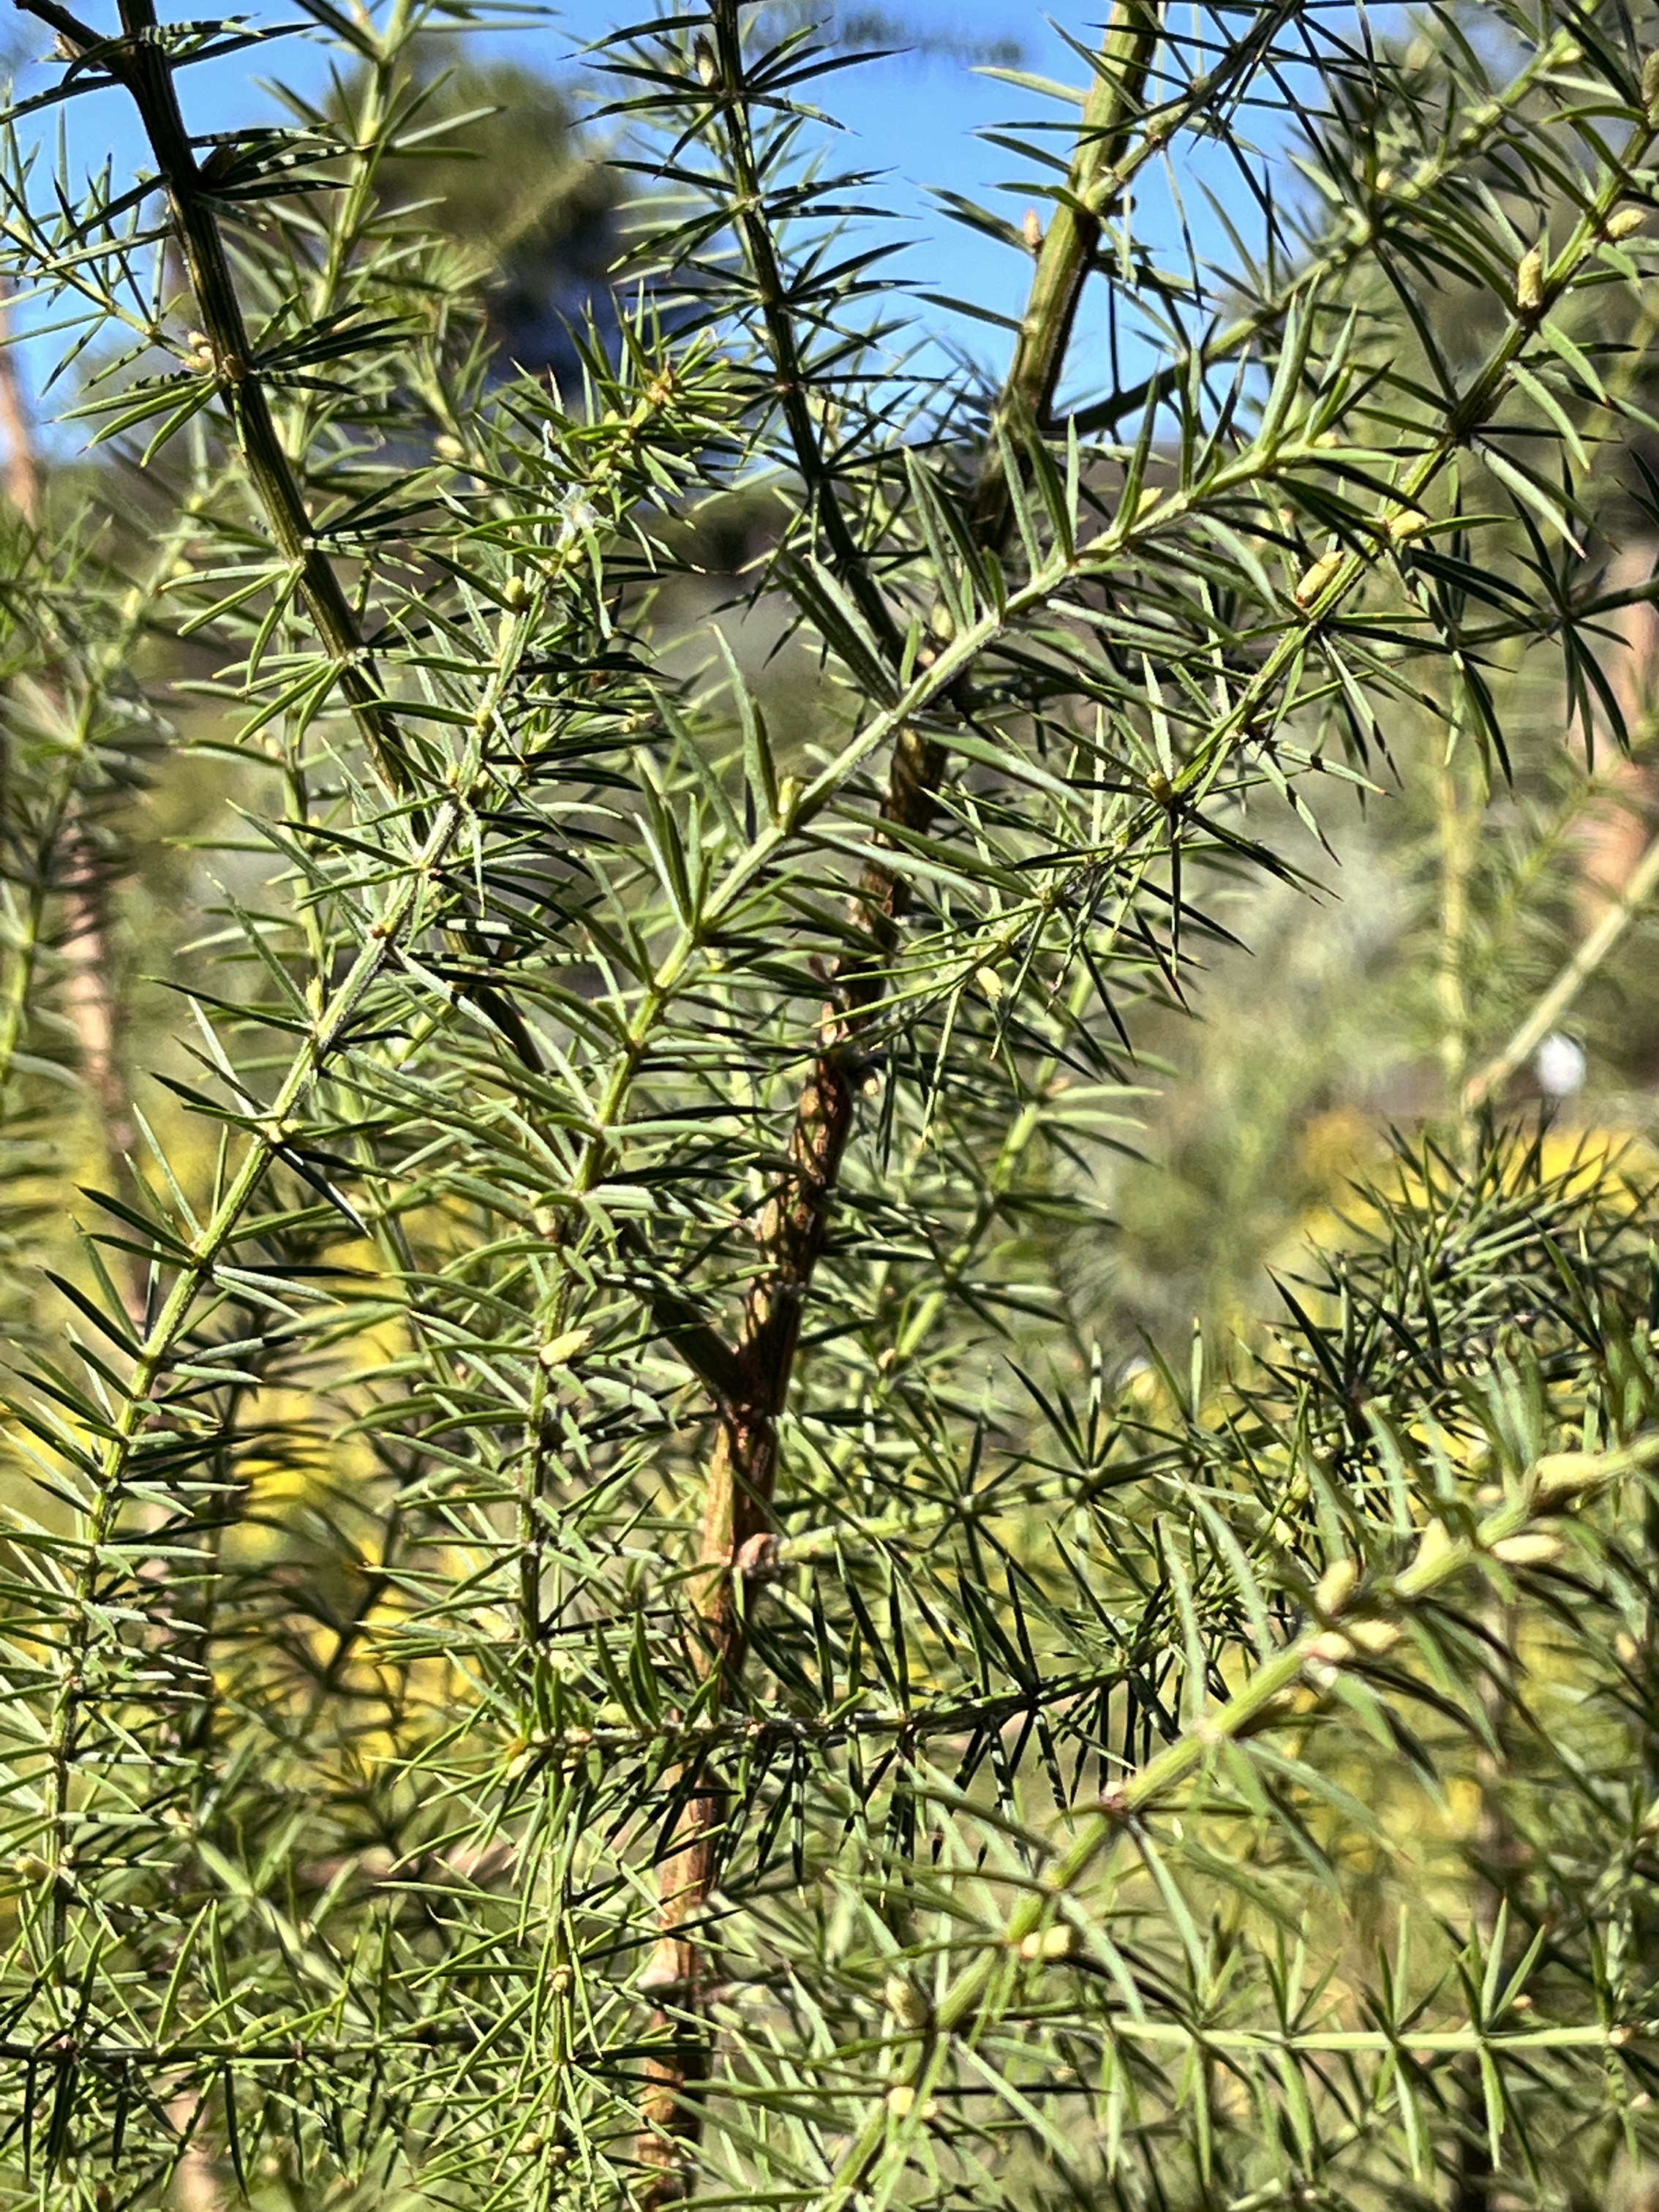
x,y
600,1606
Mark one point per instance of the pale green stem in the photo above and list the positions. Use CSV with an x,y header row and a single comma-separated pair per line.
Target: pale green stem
x,y
1308,1662
1456,855
1546,1014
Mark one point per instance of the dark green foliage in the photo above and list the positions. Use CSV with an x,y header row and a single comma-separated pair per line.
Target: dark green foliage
x,y
598,1607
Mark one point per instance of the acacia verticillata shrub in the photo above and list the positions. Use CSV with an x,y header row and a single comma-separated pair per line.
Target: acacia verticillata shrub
x,y
594,1612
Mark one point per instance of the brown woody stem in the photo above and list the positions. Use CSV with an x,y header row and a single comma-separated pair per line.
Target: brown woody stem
x,y
742,1470
89,994
22,458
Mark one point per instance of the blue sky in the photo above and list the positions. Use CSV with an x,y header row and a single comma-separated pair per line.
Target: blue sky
x,y
919,116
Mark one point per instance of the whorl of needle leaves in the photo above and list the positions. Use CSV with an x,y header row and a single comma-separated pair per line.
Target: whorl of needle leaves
x,y
587,1618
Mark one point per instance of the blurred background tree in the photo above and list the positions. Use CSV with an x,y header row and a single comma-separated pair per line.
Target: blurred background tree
x,y
507,179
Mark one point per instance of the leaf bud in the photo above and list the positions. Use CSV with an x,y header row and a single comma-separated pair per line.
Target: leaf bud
x,y
1335,1587
1529,282
1033,227
562,1349
1374,1638
1650,84
1046,1943
707,64
905,2002
1314,582
1432,1547
1331,1648
1625,221
1408,523
1533,1547
1562,1475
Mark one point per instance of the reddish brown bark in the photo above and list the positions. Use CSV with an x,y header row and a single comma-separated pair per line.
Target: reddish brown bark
x,y
22,460
90,994
795,1231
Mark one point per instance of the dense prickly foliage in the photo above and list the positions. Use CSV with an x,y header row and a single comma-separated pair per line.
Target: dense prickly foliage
x,y
599,1607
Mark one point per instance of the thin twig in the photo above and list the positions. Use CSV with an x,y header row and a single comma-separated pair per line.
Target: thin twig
x,y
1547,1013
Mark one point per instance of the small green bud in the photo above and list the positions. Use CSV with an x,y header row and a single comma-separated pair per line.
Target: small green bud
x,y
1336,1586
1050,1943
905,2002
1533,1547
1378,1638
1313,584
